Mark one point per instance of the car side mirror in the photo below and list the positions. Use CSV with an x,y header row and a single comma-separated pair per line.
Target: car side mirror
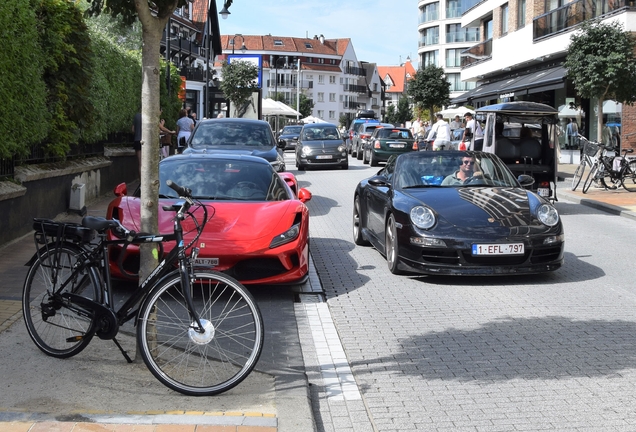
x,y
379,180
525,180
282,143
304,195
120,190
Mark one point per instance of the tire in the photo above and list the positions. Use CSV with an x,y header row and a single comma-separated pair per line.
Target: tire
x,y
358,237
359,153
345,166
391,246
62,333
578,174
590,177
365,158
372,161
629,177
200,364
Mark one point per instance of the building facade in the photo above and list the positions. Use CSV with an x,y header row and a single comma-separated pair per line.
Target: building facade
x,y
326,71
523,44
395,80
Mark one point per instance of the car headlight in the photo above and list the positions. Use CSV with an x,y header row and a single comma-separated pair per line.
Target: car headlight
x,y
342,148
547,215
306,150
286,237
422,217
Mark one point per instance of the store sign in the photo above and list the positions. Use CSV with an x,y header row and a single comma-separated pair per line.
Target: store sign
x,y
506,95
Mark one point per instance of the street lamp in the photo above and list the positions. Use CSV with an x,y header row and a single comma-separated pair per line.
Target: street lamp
x,y
225,12
243,47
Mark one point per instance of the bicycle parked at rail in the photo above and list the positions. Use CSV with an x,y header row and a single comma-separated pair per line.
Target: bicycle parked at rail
x,y
199,331
588,157
611,171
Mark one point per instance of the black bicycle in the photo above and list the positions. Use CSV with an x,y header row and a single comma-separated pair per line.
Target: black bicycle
x,y
200,332
612,171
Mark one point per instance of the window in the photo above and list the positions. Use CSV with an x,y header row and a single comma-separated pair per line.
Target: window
x,y
321,97
321,113
521,13
455,33
332,97
453,9
375,87
453,57
321,60
488,28
429,13
456,83
332,114
308,45
321,79
332,79
429,36
278,42
430,58
504,19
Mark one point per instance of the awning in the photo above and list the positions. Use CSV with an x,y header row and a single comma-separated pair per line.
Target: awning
x,y
547,79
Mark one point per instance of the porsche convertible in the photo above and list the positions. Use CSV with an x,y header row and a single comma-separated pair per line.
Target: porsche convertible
x,y
456,213
258,224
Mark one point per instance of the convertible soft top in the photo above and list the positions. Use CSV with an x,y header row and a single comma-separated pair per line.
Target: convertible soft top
x,y
522,112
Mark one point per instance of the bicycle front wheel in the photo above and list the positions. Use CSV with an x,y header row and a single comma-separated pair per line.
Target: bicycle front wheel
x,y
193,363
578,175
591,176
629,177
56,329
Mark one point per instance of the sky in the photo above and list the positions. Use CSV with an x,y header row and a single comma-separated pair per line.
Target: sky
x,y
381,31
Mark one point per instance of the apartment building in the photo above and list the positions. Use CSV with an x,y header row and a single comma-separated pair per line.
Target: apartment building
x,y
326,71
520,54
395,80
442,40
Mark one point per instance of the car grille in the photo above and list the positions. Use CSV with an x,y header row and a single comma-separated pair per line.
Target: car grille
x,y
440,256
454,257
259,268
540,256
496,260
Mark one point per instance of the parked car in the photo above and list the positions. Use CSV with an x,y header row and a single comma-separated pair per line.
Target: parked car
x,y
258,223
237,136
364,134
424,217
364,117
289,135
387,141
321,144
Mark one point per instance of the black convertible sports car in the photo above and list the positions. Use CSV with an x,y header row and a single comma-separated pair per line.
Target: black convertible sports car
x,y
456,213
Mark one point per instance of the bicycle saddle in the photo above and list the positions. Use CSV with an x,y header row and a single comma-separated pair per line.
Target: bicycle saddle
x,y
98,223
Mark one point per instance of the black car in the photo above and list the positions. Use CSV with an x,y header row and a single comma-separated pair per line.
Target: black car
x,y
321,144
456,213
289,135
237,136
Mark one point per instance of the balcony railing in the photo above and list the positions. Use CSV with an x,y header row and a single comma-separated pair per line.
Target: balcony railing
x,y
428,16
574,13
192,74
355,88
355,71
432,39
477,53
182,45
350,105
464,35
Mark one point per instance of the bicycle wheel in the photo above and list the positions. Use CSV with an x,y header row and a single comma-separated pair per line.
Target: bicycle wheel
x,y
591,176
629,177
57,330
200,364
578,174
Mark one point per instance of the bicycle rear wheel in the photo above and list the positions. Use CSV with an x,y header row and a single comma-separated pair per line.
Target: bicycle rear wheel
x,y
200,364
57,330
591,176
578,174
629,177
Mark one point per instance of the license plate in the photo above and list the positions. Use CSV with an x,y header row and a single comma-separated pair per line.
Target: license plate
x,y
499,249
324,157
544,192
207,262
397,145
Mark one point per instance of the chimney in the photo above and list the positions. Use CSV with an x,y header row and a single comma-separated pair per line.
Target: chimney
x,y
322,39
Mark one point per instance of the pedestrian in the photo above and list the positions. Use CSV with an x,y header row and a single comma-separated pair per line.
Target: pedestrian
x,y
136,129
184,129
440,134
221,115
473,133
415,126
571,134
165,137
193,116
456,123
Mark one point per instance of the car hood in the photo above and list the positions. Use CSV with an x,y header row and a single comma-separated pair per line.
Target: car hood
x,y
228,221
479,206
330,144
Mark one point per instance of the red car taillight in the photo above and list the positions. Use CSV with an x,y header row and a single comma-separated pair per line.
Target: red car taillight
x,y
365,136
415,147
377,144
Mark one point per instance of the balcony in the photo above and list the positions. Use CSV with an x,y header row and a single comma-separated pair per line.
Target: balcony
x,y
576,12
193,74
355,88
182,46
476,54
428,16
350,105
352,70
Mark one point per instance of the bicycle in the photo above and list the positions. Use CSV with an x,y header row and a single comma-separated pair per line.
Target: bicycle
x,y
609,176
588,157
199,332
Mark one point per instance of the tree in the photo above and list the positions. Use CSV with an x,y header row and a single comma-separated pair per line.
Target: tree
x,y
153,17
391,115
306,106
601,64
404,112
238,84
429,89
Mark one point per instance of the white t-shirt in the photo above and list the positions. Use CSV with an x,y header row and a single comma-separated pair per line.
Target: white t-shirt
x,y
476,130
441,130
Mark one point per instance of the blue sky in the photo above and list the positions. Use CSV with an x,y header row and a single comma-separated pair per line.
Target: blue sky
x,y
382,31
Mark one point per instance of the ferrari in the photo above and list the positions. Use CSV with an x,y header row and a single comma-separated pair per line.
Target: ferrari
x,y
258,225
456,213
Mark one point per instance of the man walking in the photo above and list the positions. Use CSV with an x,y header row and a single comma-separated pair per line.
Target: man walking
x,y
440,133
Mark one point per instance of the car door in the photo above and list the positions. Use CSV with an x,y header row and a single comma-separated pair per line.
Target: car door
x,y
378,198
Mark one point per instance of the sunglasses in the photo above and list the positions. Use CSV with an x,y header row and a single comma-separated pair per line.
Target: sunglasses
x,y
468,162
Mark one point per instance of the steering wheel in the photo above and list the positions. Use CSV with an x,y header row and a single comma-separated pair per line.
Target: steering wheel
x,y
246,189
473,179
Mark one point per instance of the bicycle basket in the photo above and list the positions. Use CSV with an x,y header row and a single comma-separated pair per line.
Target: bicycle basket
x,y
46,229
590,148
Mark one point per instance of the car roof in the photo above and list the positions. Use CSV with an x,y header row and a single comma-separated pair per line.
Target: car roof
x,y
215,156
313,125
235,120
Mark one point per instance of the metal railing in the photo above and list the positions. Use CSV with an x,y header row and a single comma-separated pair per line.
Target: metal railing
x,y
355,88
355,71
477,53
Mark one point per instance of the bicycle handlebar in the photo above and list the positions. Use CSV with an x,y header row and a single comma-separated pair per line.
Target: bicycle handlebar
x,y
182,191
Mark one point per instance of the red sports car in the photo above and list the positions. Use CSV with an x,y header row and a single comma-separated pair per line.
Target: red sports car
x,y
258,224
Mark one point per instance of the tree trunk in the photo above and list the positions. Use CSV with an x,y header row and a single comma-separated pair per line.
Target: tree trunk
x,y
599,120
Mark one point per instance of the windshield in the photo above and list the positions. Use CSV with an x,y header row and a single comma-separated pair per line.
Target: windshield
x,y
394,133
319,133
452,169
291,130
219,179
230,134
